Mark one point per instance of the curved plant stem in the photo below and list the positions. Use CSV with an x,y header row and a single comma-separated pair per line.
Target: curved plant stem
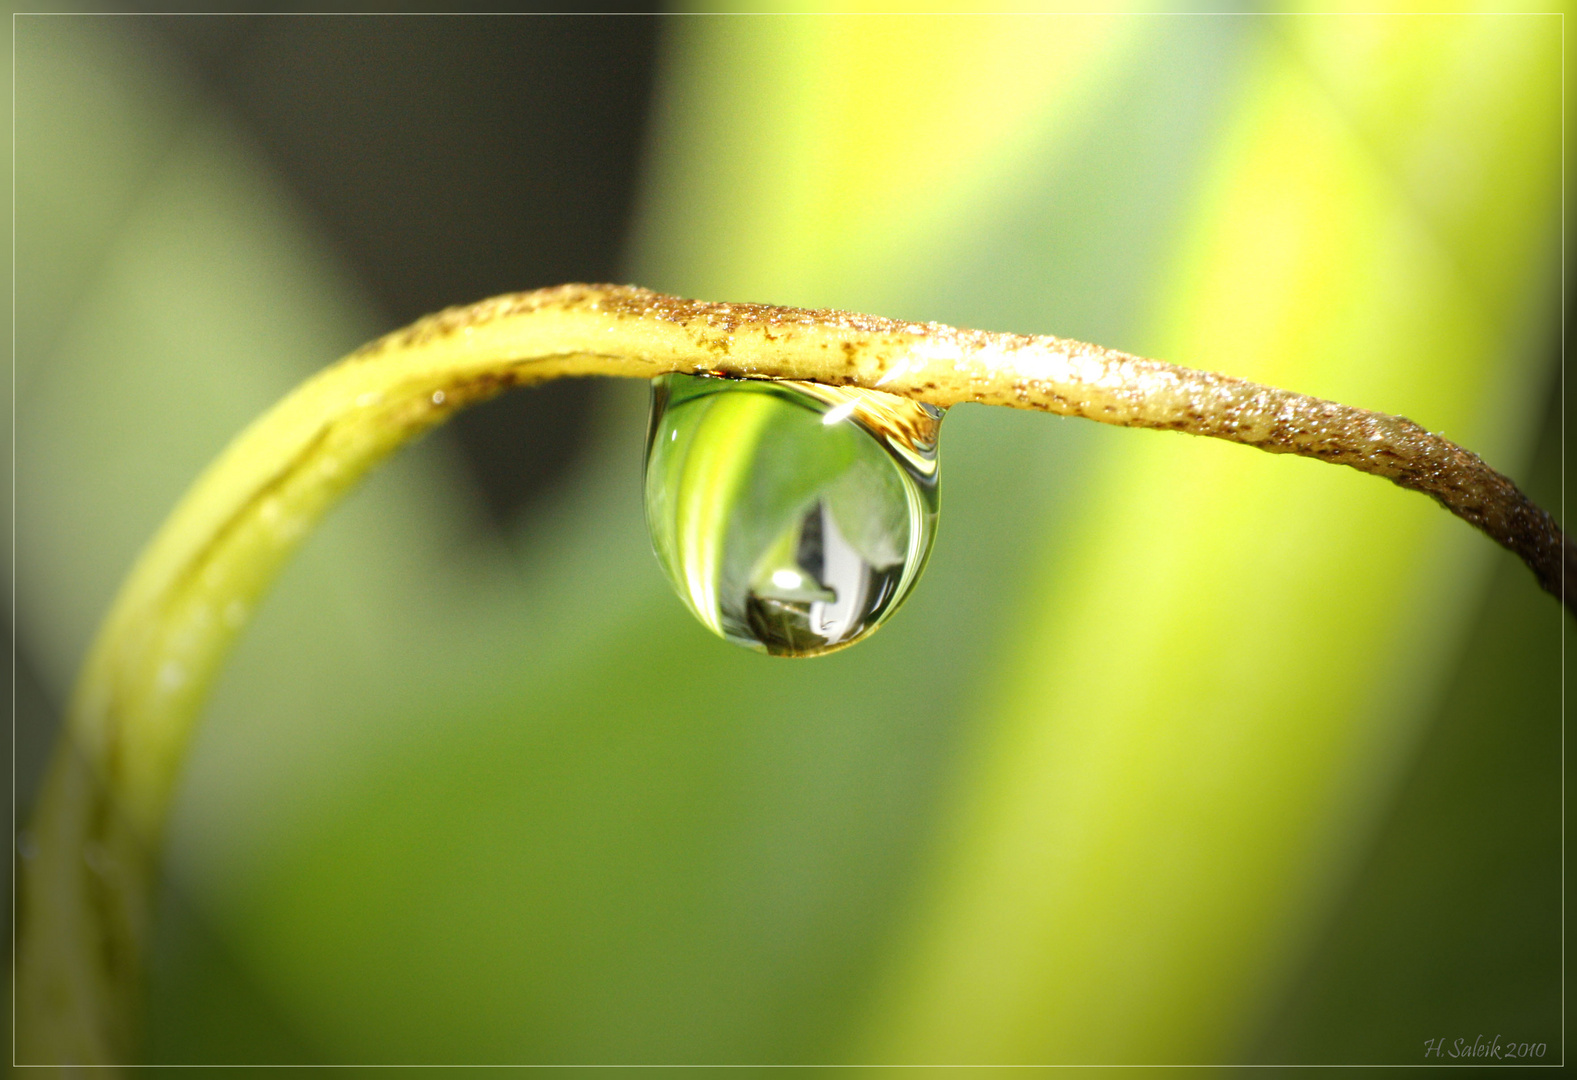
x,y
88,856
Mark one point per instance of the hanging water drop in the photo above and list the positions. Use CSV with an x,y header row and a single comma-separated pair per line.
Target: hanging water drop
x,y
791,517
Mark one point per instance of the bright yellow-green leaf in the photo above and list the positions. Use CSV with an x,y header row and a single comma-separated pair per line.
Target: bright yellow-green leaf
x,y
1213,689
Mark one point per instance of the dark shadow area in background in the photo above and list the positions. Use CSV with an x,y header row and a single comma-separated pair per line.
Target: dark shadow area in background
x,y
447,159
451,159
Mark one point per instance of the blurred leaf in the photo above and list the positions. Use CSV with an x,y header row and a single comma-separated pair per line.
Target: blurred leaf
x,y
1215,687
811,160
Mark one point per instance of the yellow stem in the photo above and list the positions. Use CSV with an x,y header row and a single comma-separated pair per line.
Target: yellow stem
x,y
89,852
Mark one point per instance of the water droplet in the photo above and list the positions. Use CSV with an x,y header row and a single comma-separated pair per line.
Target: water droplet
x,y
791,517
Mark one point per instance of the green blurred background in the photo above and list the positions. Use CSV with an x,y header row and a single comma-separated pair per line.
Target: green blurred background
x,y
1179,753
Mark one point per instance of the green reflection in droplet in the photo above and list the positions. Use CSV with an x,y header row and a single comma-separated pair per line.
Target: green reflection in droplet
x,y
791,517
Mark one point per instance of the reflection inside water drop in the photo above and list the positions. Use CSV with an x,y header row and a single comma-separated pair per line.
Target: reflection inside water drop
x,y
791,517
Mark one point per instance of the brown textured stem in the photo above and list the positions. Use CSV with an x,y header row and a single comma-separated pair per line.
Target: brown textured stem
x,y
945,366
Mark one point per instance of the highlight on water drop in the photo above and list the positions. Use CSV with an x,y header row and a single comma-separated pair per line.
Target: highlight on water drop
x,y
792,518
